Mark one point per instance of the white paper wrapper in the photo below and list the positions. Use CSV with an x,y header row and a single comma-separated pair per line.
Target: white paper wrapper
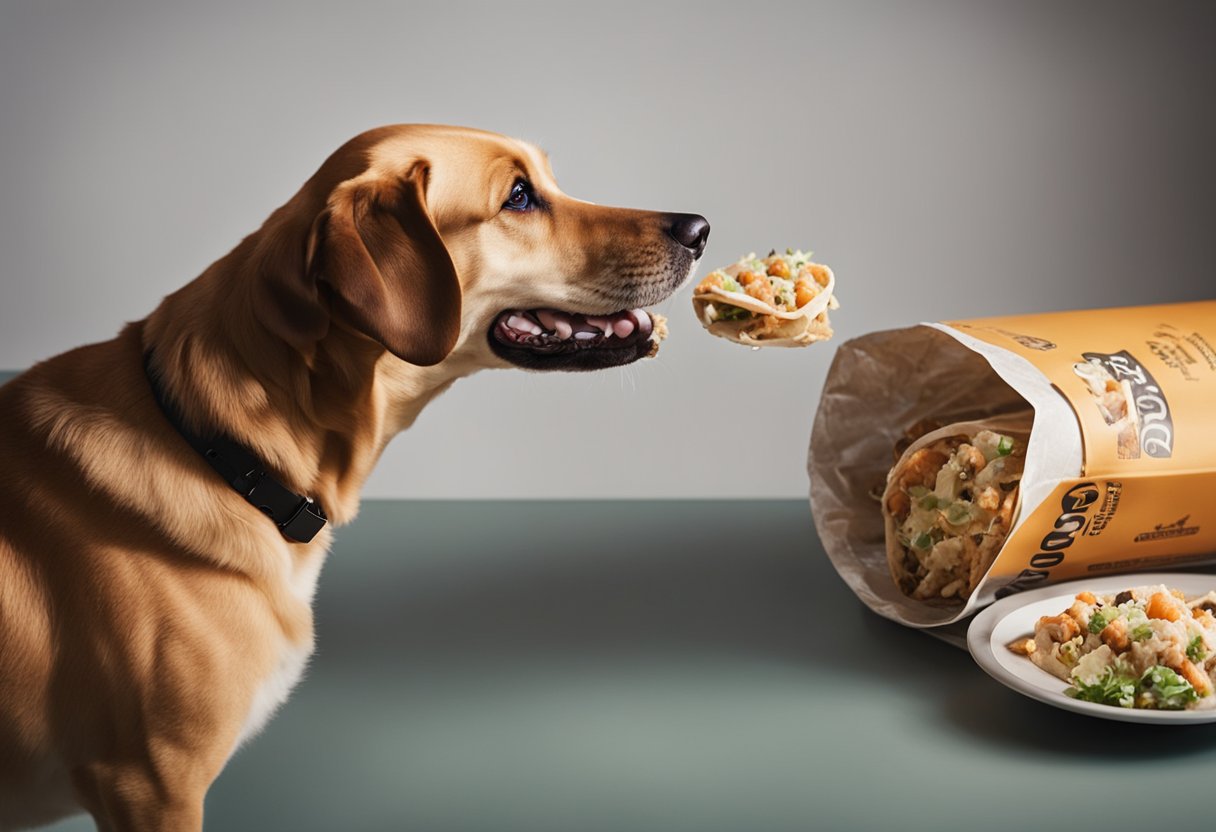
x,y
879,385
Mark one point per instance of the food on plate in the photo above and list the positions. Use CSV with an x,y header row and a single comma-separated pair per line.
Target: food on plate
x,y
1145,647
948,507
1115,402
777,301
1022,646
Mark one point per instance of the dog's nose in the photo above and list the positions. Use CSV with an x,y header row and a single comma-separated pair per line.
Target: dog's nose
x,y
690,231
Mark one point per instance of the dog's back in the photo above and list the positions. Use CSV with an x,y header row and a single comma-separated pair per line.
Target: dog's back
x,y
96,620
42,551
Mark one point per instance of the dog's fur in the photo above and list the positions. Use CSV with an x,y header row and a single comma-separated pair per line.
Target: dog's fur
x,y
150,618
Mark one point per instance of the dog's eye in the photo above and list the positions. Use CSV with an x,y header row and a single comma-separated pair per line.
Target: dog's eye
x,y
520,198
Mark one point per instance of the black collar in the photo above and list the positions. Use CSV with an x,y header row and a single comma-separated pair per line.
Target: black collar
x,y
297,517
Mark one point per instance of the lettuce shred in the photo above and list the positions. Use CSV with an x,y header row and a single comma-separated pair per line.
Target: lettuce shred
x,y
1159,688
1111,688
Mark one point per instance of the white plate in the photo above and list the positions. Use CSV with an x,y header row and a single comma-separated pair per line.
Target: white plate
x,y
1014,617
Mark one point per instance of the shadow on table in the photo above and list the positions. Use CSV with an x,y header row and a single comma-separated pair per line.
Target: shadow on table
x,y
679,579
1010,720
670,581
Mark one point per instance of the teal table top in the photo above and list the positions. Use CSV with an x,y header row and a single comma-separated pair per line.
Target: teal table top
x,y
682,665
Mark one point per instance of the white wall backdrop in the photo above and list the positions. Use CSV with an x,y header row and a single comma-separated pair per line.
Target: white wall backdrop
x,y
946,158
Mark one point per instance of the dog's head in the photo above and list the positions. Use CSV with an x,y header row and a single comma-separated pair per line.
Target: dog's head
x,y
443,242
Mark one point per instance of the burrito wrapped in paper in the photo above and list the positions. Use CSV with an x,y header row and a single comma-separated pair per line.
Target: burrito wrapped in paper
x,y
1115,409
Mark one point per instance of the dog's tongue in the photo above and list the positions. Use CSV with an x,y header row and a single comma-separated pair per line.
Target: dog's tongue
x,y
566,325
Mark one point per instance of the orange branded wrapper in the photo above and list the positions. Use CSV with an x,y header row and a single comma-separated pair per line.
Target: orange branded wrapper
x,y
1120,469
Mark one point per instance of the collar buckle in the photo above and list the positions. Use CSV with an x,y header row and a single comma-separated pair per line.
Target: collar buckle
x,y
309,518
298,518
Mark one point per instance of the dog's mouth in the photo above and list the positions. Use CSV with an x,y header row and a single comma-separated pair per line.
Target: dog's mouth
x,y
550,339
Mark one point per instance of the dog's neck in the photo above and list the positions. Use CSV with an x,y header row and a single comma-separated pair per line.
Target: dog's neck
x,y
321,421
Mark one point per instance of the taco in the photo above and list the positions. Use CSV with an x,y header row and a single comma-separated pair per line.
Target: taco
x,y
778,301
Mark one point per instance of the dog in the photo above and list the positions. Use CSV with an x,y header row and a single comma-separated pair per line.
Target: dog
x,y
169,495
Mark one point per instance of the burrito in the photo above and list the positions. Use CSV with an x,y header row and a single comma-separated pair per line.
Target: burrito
x,y
949,503
778,301
1119,467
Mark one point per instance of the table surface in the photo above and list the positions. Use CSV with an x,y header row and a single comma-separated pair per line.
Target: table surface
x,y
649,665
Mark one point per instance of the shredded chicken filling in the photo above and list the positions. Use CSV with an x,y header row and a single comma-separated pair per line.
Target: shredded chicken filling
x,y
953,509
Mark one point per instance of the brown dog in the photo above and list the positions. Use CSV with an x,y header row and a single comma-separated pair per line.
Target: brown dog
x,y
152,616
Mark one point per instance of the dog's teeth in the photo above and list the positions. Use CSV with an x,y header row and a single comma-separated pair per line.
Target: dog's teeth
x,y
623,328
584,336
521,324
643,322
559,322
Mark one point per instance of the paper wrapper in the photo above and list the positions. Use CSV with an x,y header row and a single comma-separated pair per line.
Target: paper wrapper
x,y
1102,492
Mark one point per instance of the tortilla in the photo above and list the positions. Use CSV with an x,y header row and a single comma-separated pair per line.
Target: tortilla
x,y
949,504
780,301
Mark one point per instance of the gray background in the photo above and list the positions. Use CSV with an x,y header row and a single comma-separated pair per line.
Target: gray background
x,y
946,158
645,665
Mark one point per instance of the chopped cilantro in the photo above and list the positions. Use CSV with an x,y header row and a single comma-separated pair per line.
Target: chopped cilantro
x,y
958,513
1142,632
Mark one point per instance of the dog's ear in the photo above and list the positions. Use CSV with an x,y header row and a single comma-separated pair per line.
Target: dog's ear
x,y
376,246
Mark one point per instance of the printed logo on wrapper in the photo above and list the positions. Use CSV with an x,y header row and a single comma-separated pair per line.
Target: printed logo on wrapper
x,y
1148,409
1072,521
1030,342
1163,531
